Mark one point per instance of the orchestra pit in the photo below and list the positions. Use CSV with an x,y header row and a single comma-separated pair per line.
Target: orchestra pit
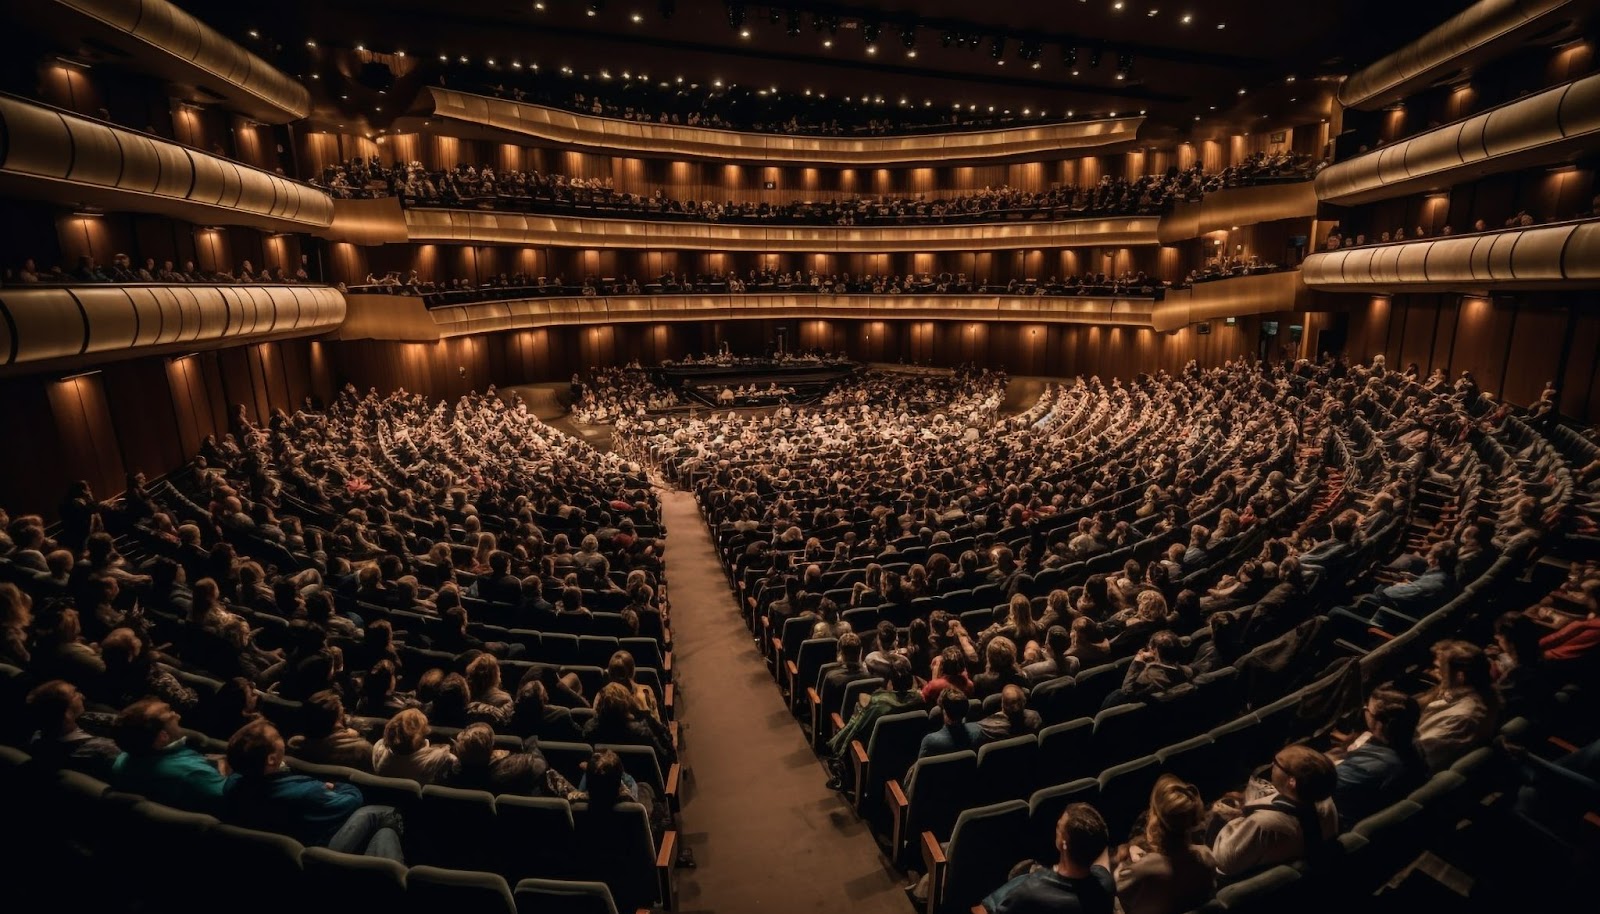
x,y
572,457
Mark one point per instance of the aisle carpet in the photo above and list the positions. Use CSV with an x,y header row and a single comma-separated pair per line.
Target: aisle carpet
x,y
766,834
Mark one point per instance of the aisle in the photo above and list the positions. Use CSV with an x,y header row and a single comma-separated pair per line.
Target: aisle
x,y
766,834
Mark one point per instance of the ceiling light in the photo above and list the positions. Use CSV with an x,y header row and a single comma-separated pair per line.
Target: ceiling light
x,y
1154,11
491,61
1241,91
1036,64
1289,80
1222,25
1117,5
872,49
254,34
744,33
361,47
827,42
539,7
516,65
310,43
717,83
637,18
912,53
445,58
1188,18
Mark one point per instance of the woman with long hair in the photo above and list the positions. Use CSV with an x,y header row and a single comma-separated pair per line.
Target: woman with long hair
x,y
1461,712
1167,872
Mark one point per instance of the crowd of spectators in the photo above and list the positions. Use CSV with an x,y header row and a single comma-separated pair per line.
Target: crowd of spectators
x,y
121,270
1340,238
611,393
521,285
485,187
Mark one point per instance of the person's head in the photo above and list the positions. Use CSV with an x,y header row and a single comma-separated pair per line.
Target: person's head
x,y
604,775
888,636
483,675
428,684
1013,701
901,677
1001,655
1152,606
322,714
1392,716
955,704
1020,610
16,608
952,663
1175,813
406,732
145,726
1518,636
531,697
620,668
849,647
1081,835
474,745
451,702
1303,774
614,704
1166,646
1461,666
54,707
255,750
1086,631
1344,526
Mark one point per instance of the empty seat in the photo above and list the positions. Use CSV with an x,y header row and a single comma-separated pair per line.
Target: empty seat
x,y
1007,769
553,896
1066,752
453,827
534,836
375,880
929,799
430,889
984,845
1125,792
614,846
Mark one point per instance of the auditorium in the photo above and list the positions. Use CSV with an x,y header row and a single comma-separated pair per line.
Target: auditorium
x,y
809,457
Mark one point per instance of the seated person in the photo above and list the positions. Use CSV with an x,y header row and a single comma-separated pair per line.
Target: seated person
x,y
1287,820
157,764
1381,765
58,742
1077,882
900,694
956,734
1153,671
262,794
1462,711
1013,719
327,740
498,771
1163,871
404,751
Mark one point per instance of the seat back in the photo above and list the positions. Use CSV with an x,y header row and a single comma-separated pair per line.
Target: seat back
x,y
596,650
453,827
1044,810
430,888
1125,792
269,864
985,843
641,762
615,847
814,652
1055,700
893,746
376,880
1066,752
535,836
1123,733
1007,769
938,786
552,896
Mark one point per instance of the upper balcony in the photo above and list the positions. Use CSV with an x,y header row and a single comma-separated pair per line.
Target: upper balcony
x,y
642,138
1563,255
109,322
162,39
65,158
1538,129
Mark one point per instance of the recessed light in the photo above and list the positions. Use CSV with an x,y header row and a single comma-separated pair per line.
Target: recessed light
x,y
310,43
1117,5
539,7
593,12
912,53
254,34
1289,80
361,47
1154,11
827,42
1241,91
1188,18
637,18
1036,64
445,57
1222,25
744,33
399,53
872,49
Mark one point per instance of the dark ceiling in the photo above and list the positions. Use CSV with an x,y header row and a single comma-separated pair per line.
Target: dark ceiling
x,y
1197,67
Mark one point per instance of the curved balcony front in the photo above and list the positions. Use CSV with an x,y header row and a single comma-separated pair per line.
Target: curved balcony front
x,y
490,227
1538,129
1565,255
1236,297
163,39
64,158
640,138
1475,34
403,317
46,328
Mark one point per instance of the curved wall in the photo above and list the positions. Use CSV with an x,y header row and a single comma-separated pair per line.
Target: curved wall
x,y
1535,130
178,47
641,138
1238,206
63,158
1465,38
46,328
1562,256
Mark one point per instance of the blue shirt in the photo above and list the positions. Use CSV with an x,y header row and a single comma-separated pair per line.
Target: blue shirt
x,y
174,775
300,807
1369,779
1045,891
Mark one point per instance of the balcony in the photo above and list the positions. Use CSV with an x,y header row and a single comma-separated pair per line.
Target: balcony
x,y
68,159
490,227
1563,255
1260,293
162,39
110,322
1539,129
403,317
641,138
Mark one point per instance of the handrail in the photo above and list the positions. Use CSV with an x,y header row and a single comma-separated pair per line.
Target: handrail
x,y
1564,255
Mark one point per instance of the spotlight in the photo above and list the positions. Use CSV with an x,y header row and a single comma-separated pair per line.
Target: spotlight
x,y
998,49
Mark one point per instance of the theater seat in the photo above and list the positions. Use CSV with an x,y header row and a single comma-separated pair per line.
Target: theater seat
x,y
430,889
534,836
1055,700
268,864
1045,808
928,800
615,847
985,843
1007,769
377,881
553,896
1125,792
452,828
1066,752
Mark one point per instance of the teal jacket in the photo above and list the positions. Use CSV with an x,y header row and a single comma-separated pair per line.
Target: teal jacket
x,y
174,775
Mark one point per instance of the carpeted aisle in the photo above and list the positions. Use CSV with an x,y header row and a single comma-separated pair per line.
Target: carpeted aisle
x,y
766,834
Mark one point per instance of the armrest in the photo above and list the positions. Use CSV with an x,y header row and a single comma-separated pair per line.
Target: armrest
x,y
672,730
812,697
934,864
836,721
666,697
666,661
898,805
674,775
863,768
666,862
1562,744
1380,633
815,702
793,673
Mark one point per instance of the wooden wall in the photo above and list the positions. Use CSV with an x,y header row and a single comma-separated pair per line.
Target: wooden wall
x,y
146,415
1511,344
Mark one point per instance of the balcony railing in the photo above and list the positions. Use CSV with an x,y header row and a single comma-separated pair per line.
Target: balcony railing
x,y
1562,255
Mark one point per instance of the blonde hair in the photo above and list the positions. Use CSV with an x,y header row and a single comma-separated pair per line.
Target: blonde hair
x,y
1175,813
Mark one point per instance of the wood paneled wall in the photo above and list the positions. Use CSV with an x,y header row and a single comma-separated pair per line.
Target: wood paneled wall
x,y
1511,344
146,415
1547,194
